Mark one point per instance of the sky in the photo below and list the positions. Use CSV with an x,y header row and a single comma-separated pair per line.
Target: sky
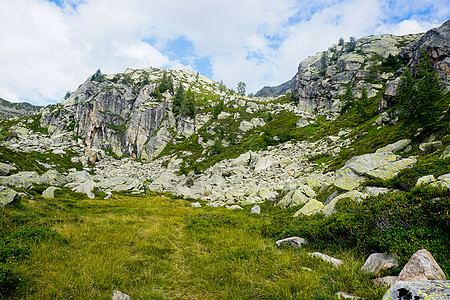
x,y
49,47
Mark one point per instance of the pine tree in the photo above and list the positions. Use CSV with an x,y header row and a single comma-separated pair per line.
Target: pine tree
x,y
418,97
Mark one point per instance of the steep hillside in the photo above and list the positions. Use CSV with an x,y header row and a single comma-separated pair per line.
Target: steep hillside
x,y
11,109
277,90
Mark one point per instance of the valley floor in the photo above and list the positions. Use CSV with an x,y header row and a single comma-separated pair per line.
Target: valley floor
x,y
159,247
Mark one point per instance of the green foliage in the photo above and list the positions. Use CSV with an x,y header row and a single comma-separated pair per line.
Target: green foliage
x,y
362,105
323,63
341,41
166,83
348,99
218,109
241,88
418,97
391,64
351,44
98,76
401,223
9,282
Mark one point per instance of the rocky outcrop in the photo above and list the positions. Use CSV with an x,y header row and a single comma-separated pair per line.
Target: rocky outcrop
x,y
321,79
436,42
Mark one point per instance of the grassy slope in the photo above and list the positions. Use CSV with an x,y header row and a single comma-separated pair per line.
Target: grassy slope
x,y
154,247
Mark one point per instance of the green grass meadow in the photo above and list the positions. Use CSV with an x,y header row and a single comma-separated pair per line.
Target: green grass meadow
x,y
158,247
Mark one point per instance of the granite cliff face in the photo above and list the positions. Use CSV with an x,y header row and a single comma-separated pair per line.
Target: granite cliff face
x,y
123,113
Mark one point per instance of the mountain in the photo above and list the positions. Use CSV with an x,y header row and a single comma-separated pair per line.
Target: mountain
x,y
277,90
12,109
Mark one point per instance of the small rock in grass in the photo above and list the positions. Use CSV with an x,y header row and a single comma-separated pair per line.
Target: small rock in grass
x,y
196,204
378,262
255,210
295,242
118,295
334,261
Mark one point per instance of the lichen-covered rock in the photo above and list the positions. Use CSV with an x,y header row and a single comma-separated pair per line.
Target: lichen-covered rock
x,y
50,192
310,208
378,262
445,153
421,266
54,178
5,169
302,194
196,205
424,180
394,147
118,295
419,290
22,180
329,209
295,242
348,180
7,195
430,147
120,183
255,210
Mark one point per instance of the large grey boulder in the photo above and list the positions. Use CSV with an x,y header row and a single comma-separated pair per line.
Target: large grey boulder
x,y
120,183
310,208
23,180
378,262
5,169
419,290
381,165
54,178
81,182
256,209
421,266
302,194
395,147
7,195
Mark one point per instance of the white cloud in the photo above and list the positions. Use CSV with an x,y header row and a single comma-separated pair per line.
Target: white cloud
x,y
47,50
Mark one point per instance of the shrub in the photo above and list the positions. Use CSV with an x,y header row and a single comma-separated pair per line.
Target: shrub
x,y
401,223
9,281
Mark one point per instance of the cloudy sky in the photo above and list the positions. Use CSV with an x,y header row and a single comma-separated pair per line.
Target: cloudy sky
x,y
49,47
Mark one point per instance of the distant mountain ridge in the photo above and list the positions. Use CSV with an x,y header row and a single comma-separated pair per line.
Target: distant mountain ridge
x,y
277,90
11,109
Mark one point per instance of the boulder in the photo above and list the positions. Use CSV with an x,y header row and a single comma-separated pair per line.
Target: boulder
x,y
445,153
312,207
223,115
379,165
120,183
50,192
344,295
196,205
79,176
334,261
348,180
85,187
245,126
7,195
301,123
425,180
233,207
395,147
419,290
375,191
421,266
255,210
444,180
378,262
295,242
118,295
300,195
353,195
263,163
5,169
267,194
430,147
54,178
23,180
